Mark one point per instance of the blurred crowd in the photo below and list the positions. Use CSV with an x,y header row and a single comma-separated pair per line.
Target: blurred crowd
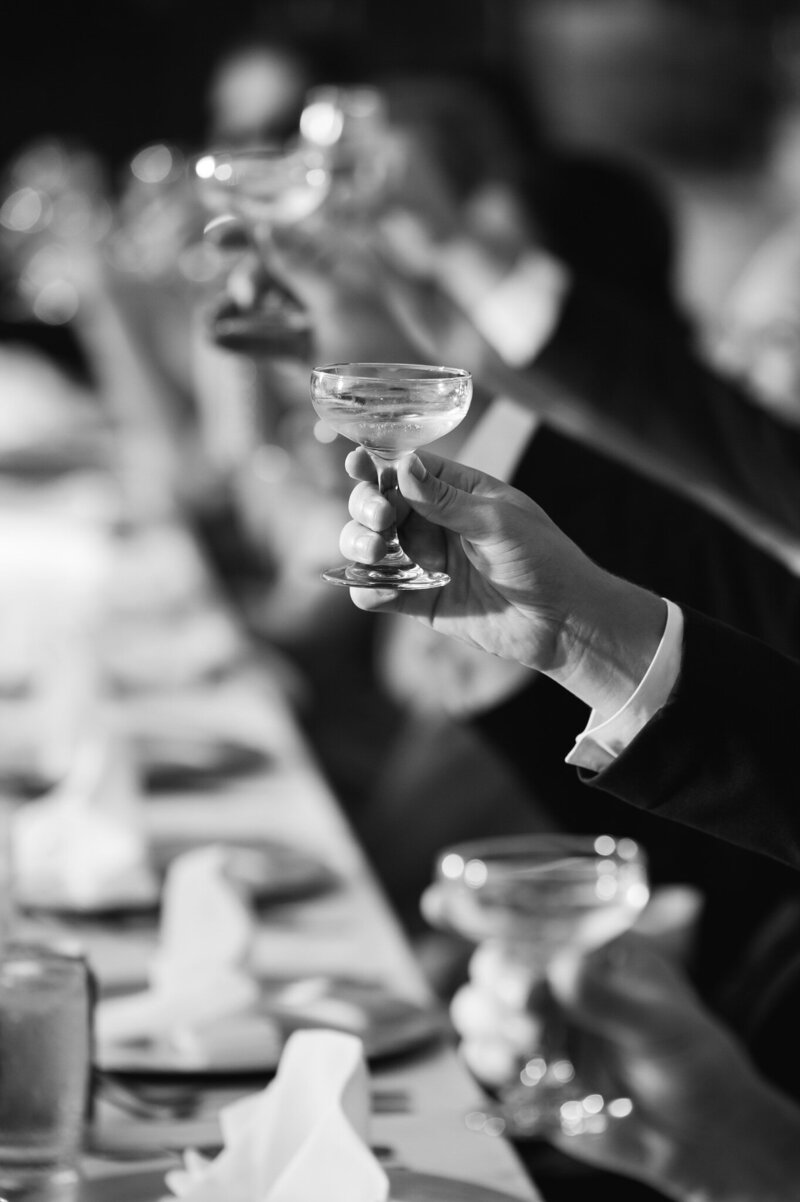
x,y
606,232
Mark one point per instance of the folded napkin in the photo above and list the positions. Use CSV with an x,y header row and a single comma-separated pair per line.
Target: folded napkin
x,y
201,1004
302,1139
83,846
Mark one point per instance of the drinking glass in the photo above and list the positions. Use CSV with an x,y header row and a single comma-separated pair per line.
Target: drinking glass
x,y
248,192
532,896
350,126
45,1051
390,409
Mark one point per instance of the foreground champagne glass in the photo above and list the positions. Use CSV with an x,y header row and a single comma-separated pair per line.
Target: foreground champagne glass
x,y
390,409
533,896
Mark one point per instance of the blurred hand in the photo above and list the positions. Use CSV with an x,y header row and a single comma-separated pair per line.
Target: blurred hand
x,y
702,1124
519,588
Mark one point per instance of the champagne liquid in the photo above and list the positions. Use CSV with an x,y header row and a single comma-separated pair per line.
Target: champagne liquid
x,y
389,426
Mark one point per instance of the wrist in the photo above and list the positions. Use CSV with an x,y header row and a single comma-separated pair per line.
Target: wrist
x,y
607,644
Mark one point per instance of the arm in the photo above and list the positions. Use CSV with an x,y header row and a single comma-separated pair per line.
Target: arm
x,y
717,757
703,1125
720,755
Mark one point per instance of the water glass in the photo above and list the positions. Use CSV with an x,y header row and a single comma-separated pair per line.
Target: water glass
x,y
45,1065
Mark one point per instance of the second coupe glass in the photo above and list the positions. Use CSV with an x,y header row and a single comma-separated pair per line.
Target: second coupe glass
x,y
531,896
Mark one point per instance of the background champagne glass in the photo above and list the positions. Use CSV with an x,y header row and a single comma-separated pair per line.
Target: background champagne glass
x,y
390,409
532,896
247,193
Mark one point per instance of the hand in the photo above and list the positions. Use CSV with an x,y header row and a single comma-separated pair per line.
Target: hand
x,y
519,588
702,1124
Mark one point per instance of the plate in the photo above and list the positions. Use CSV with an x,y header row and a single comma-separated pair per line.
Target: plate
x,y
194,761
188,761
405,1186
388,1025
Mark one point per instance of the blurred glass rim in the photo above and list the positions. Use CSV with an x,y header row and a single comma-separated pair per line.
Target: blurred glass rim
x,y
219,165
552,854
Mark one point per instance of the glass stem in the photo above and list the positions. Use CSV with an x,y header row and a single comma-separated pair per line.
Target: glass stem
x,y
387,483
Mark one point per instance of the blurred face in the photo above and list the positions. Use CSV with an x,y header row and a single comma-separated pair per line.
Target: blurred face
x,y
654,76
255,94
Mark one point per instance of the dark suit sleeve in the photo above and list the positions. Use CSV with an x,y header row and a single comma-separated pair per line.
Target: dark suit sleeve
x,y
720,756
643,384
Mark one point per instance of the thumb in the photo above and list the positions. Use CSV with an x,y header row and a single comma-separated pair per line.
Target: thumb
x,y
460,503
626,992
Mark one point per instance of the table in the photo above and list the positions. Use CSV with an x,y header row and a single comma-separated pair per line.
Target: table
x,y
338,931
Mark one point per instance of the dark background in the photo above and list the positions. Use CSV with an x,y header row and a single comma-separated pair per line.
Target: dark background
x,y
117,74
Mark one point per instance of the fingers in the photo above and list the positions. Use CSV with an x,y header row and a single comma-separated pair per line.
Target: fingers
x,y
359,465
493,1037
369,508
669,920
628,992
372,599
497,1026
358,543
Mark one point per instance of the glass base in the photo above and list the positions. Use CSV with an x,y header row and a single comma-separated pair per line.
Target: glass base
x,y
354,575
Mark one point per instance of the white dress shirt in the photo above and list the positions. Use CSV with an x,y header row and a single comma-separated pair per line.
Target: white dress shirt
x,y
603,739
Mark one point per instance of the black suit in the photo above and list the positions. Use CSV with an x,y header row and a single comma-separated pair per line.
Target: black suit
x,y
610,354
721,755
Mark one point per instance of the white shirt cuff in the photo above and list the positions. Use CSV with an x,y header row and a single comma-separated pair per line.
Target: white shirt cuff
x,y
604,739
518,315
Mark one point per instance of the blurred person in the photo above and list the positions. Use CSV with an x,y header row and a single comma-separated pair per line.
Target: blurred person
x,y
257,91
56,219
612,511
495,769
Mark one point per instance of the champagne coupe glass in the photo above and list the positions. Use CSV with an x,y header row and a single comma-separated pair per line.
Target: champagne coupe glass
x,y
390,409
350,126
532,896
248,192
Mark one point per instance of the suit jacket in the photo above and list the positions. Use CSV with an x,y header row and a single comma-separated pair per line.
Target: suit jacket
x,y
659,402
721,755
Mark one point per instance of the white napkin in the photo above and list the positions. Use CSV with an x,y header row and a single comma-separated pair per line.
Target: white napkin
x,y
302,1139
200,974
83,846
